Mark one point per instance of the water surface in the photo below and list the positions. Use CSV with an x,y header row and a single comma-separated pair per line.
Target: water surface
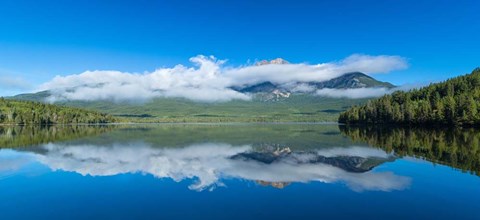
x,y
238,171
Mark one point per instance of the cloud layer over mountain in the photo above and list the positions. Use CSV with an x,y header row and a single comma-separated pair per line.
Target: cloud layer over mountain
x,y
209,80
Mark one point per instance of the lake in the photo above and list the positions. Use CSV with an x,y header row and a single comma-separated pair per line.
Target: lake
x,y
238,171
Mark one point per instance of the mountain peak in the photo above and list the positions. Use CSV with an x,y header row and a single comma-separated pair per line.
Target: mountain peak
x,y
353,80
355,74
274,61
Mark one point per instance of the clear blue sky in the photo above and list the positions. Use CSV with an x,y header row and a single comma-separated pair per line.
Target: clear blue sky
x,y
40,39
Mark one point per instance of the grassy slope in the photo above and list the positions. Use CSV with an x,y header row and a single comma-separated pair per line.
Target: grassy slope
x,y
297,108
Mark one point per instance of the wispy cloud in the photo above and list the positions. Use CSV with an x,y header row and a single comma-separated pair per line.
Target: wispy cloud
x,y
14,83
209,80
12,162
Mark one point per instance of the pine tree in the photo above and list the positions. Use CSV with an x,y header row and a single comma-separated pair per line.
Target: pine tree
x,y
454,101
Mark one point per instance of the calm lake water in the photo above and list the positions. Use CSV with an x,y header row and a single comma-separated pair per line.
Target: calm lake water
x,y
239,171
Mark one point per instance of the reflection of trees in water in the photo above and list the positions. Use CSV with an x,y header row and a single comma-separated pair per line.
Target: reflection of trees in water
x,y
24,136
458,148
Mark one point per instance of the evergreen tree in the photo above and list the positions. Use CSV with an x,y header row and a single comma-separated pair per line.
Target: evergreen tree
x,y
454,102
25,112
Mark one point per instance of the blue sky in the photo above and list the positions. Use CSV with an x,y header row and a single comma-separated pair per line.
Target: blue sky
x,y
40,39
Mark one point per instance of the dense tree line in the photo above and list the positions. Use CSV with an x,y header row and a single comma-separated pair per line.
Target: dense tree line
x,y
26,112
453,102
455,147
24,136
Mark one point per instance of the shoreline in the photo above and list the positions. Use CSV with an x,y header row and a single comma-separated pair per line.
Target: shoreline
x,y
184,123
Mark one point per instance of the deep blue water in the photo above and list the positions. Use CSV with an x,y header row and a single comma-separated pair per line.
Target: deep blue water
x,y
160,173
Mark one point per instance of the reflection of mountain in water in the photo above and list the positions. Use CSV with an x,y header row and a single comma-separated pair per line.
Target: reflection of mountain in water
x,y
278,185
354,164
458,148
208,164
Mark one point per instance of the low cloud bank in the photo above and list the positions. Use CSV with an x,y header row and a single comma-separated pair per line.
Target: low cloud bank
x,y
354,93
209,80
360,93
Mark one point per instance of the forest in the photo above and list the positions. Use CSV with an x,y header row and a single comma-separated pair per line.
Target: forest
x,y
27,112
455,147
452,102
21,136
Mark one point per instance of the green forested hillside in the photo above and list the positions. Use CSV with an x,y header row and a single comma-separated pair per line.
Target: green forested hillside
x,y
453,102
26,112
296,108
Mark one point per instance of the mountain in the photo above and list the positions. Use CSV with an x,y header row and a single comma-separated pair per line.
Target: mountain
x,y
453,102
270,102
36,97
346,81
352,80
261,87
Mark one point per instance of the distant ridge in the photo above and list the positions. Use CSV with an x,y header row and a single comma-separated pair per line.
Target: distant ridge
x,y
353,80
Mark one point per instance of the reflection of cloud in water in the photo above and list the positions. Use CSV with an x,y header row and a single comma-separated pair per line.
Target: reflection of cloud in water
x,y
353,151
210,163
12,161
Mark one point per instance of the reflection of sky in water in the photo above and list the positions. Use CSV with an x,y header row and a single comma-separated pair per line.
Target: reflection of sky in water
x,y
220,173
208,164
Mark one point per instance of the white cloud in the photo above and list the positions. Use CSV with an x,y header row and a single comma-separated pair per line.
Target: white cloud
x,y
207,164
356,151
208,81
373,64
359,93
353,93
